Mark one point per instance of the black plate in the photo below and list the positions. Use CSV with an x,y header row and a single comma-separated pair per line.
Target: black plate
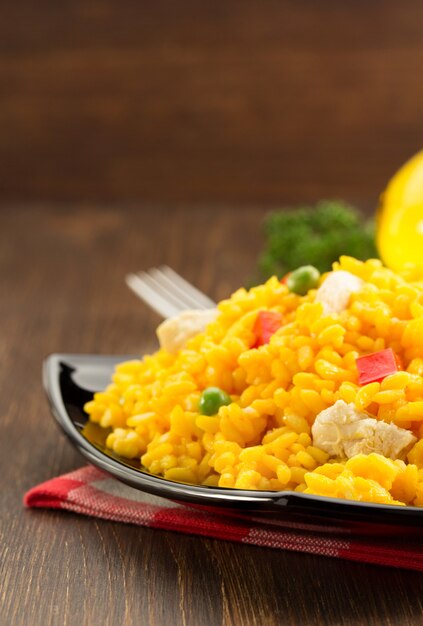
x,y
71,379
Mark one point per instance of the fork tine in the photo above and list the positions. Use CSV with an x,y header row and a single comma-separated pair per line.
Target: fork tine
x,y
186,287
185,297
156,284
166,292
154,300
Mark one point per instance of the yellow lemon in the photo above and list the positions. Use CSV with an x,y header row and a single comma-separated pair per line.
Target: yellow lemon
x,y
400,217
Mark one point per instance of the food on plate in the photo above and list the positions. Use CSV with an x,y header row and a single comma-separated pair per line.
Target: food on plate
x,y
319,393
212,399
336,291
303,279
377,366
342,431
174,332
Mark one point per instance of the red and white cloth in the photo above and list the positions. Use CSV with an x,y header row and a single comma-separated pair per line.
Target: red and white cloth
x,y
90,491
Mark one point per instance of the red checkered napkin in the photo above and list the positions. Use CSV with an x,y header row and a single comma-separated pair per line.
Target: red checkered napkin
x,y
90,491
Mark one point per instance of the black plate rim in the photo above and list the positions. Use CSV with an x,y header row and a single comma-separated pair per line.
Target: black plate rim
x,y
209,496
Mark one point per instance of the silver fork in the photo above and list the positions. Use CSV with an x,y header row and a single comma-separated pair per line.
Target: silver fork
x,y
166,292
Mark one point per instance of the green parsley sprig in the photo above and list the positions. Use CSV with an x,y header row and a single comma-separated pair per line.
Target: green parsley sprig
x,y
315,235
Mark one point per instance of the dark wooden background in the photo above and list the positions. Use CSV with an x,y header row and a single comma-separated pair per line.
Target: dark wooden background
x,y
245,101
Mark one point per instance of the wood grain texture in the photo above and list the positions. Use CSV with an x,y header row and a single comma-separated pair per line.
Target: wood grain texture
x,y
61,281
240,101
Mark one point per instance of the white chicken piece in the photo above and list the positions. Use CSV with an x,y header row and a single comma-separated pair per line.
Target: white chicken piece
x,y
335,292
342,431
174,332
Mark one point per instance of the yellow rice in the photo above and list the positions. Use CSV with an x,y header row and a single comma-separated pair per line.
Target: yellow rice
x,y
262,440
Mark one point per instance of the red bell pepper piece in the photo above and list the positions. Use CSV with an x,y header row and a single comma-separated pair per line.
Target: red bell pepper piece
x,y
284,279
376,366
266,324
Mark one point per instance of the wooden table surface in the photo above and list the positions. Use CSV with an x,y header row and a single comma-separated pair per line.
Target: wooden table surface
x,y
62,289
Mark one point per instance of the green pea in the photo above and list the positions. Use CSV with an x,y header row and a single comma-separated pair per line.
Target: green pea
x,y
212,399
302,279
